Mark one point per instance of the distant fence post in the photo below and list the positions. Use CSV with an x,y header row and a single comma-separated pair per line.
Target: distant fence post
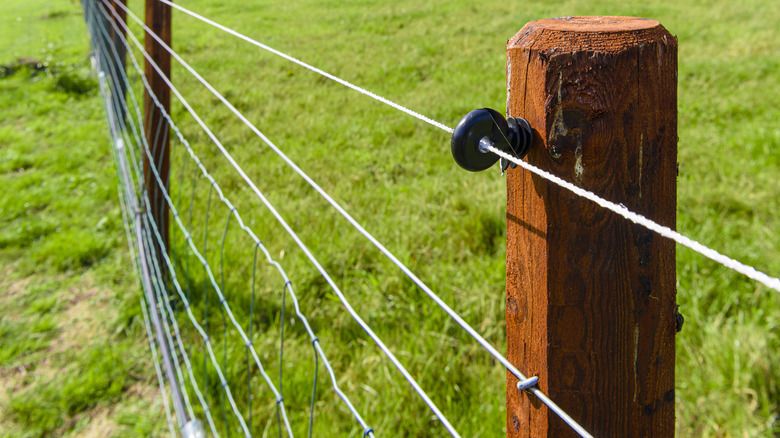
x,y
590,296
158,19
118,86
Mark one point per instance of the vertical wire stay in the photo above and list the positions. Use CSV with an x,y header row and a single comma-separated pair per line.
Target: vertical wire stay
x,y
206,293
259,245
222,312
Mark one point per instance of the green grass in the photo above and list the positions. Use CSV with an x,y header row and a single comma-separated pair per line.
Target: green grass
x,y
67,277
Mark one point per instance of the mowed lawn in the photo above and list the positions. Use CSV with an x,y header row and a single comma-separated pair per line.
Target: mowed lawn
x,y
74,356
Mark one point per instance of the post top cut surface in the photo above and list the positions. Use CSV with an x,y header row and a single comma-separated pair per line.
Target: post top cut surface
x,y
595,24
598,34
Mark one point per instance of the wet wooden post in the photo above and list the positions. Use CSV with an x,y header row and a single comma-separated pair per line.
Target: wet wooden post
x,y
590,296
158,19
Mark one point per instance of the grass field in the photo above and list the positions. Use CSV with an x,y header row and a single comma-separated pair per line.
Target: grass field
x,y
74,358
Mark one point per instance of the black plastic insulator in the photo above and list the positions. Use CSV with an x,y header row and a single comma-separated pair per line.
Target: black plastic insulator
x,y
512,136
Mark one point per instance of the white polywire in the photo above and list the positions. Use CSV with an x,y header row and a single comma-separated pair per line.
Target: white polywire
x,y
343,82
409,378
748,271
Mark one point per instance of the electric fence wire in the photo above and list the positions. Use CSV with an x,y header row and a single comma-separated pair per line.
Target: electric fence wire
x,y
258,243
423,395
735,265
343,82
453,314
748,271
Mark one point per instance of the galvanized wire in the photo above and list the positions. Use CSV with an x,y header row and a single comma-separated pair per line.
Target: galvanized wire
x,y
323,73
156,360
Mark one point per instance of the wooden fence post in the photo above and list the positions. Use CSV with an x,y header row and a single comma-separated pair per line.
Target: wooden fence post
x,y
158,19
590,296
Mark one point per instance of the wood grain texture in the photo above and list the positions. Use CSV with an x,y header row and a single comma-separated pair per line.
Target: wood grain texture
x,y
158,18
591,298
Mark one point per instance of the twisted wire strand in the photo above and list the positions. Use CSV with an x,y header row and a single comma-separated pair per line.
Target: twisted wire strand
x,y
410,379
160,381
315,340
735,265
